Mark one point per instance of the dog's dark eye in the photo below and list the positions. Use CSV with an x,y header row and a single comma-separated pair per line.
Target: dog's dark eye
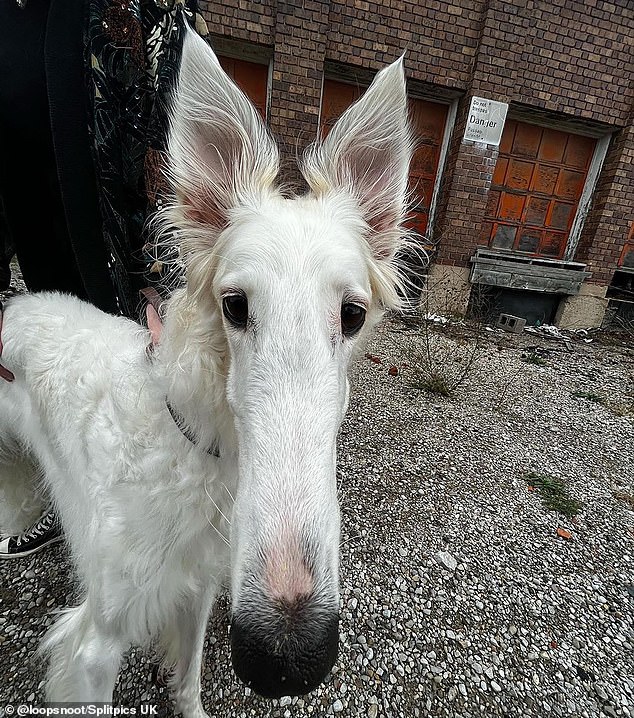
x,y
352,318
236,309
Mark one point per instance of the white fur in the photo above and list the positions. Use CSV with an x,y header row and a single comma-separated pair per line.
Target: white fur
x,y
144,510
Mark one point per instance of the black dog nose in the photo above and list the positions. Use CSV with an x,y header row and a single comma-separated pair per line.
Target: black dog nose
x,y
287,652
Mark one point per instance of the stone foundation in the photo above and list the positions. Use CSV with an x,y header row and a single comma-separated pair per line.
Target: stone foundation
x,y
583,311
447,292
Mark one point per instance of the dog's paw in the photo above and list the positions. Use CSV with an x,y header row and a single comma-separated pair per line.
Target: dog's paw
x,y
188,702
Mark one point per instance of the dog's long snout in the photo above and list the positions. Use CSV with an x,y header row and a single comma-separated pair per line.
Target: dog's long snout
x,y
286,649
285,631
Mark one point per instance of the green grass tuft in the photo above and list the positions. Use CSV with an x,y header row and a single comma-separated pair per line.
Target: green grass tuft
x,y
431,382
553,494
589,395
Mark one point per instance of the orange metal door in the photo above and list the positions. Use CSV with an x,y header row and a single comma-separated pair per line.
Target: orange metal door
x,y
429,119
250,77
537,184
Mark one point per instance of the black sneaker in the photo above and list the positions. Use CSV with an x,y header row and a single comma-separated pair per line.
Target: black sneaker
x,y
42,533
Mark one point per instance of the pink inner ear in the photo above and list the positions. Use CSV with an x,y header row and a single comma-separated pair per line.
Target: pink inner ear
x,y
205,214
154,324
374,170
384,222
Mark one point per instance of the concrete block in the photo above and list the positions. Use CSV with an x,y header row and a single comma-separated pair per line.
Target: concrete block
x,y
510,323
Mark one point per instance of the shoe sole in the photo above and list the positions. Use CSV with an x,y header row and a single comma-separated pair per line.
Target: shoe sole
x,y
9,556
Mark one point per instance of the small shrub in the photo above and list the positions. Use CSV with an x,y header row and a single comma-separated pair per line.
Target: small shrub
x,y
441,364
553,494
430,381
447,349
532,358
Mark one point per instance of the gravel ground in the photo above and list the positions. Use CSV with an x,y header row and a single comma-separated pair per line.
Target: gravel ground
x,y
458,596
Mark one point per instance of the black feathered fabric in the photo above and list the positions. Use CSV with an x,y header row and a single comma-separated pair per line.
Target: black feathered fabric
x,y
84,92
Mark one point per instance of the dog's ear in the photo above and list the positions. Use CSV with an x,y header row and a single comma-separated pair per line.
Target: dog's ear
x,y
154,324
220,154
367,154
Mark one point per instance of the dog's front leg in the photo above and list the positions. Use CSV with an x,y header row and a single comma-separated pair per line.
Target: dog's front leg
x,y
189,637
84,657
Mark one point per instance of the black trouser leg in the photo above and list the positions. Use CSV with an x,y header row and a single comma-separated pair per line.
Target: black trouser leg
x,y
29,183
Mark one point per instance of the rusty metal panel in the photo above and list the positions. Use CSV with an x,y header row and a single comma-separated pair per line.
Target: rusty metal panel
x,y
425,160
511,207
504,236
537,183
553,244
228,65
561,216
536,211
499,174
579,151
545,179
418,221
519,174
529,240
428,119
253,80
507,137
527,140
570,184
422,189
336,98
552,146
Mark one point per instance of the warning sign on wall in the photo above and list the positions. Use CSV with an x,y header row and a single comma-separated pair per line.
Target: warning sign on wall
x,y
485,121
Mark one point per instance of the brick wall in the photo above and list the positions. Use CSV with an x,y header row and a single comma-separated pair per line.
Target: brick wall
x,y
440,38
463,195
560,55
570,57
241,19
298,66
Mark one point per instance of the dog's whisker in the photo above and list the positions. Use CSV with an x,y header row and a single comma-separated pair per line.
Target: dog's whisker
x,y
218,509
226,488
217,530
349,540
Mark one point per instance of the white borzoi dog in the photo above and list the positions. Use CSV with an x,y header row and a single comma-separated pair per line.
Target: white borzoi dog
x,y
216,451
